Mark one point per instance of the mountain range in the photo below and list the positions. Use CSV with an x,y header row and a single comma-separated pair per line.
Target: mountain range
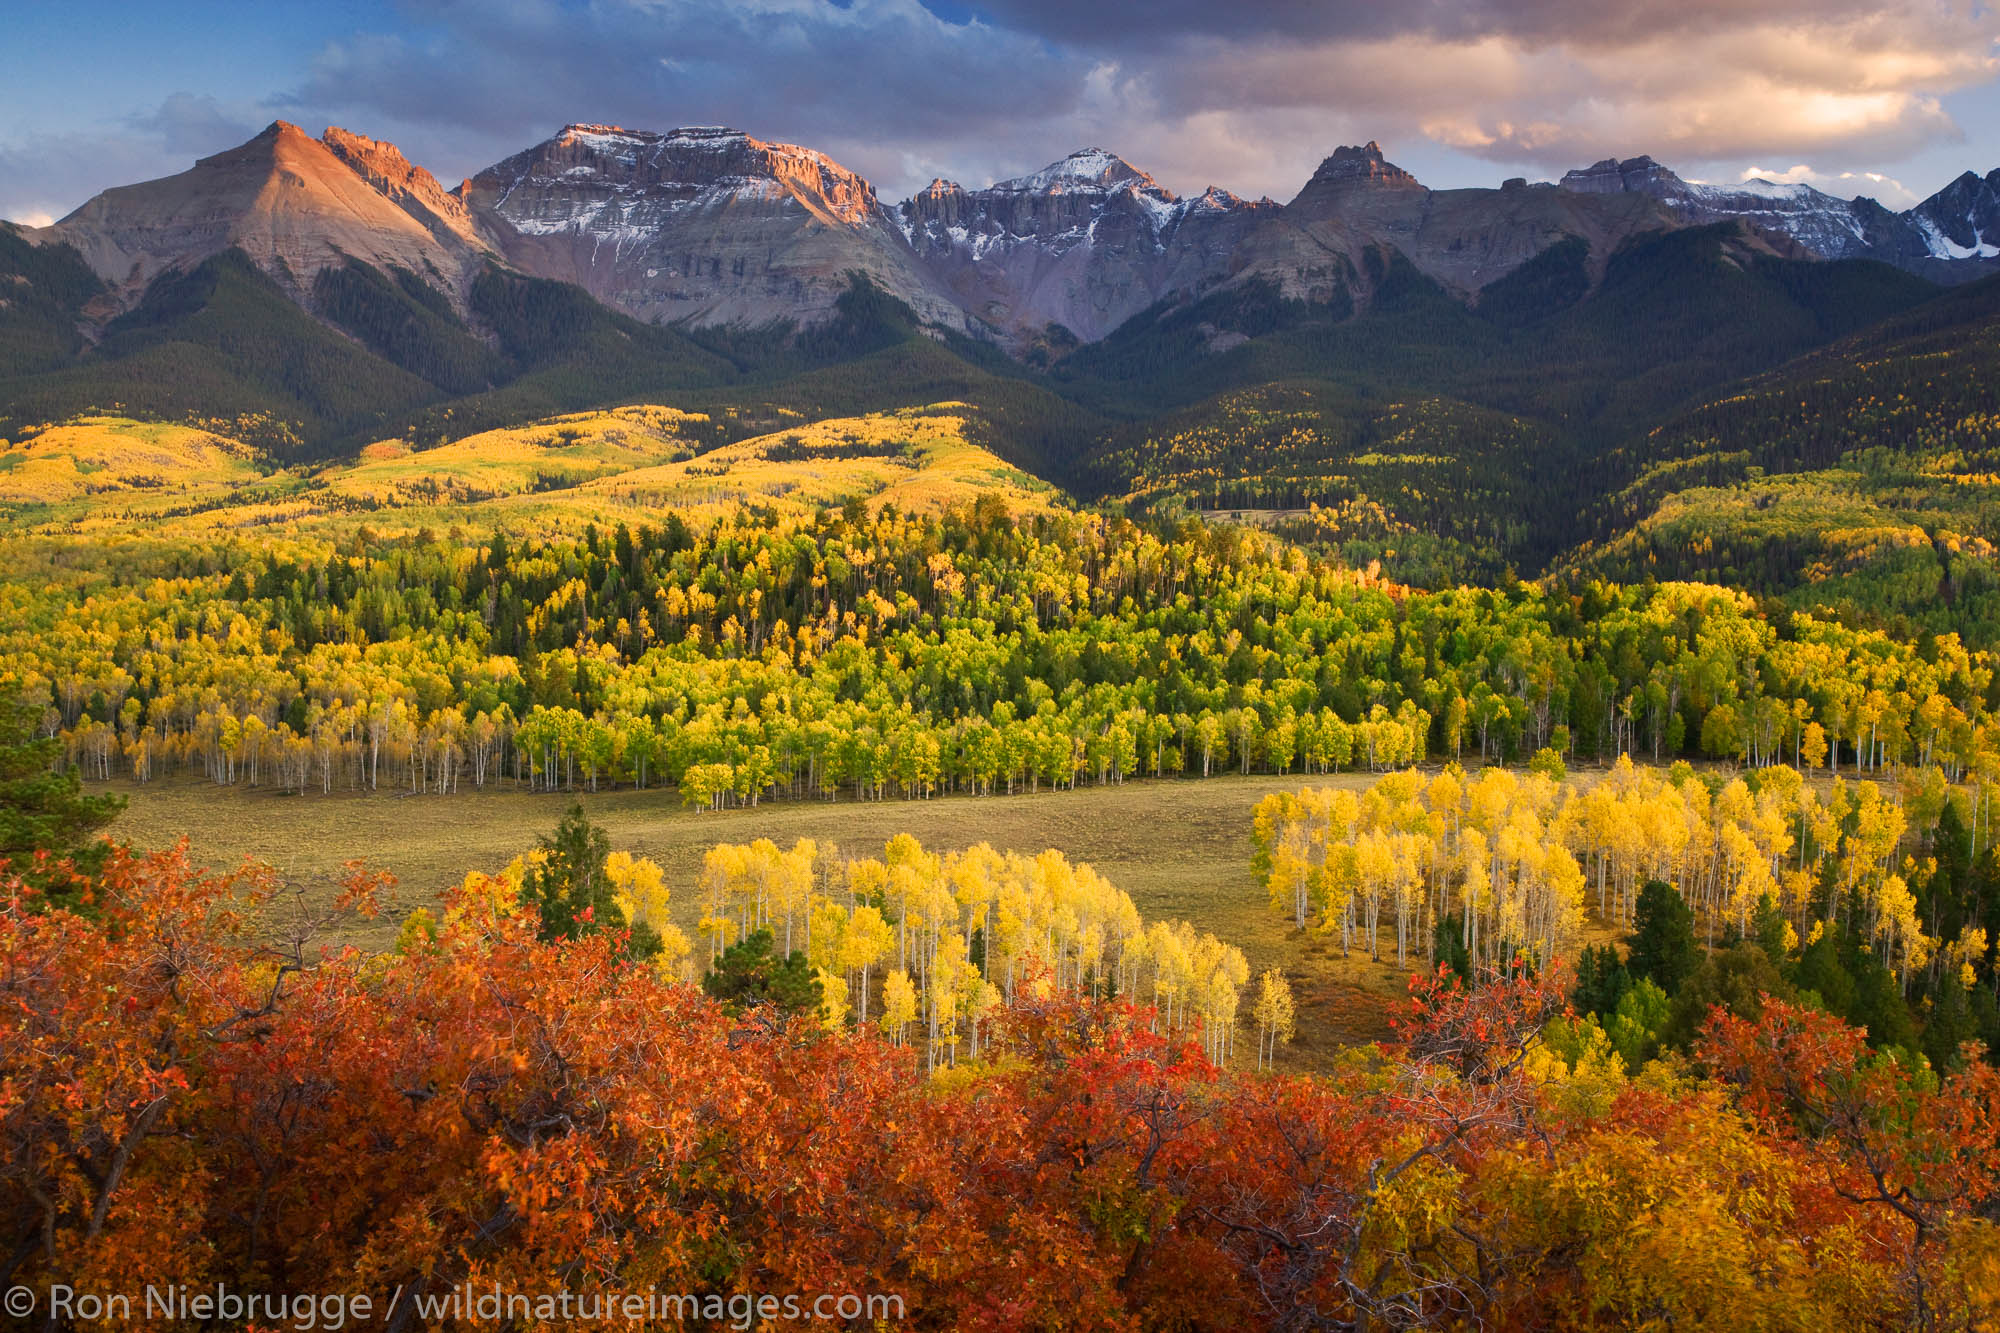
x,y
1619,374
710,227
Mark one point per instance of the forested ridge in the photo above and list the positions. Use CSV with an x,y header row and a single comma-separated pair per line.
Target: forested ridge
x,y
1860,479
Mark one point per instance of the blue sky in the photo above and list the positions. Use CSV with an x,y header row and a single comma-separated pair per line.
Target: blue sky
x,y
1884,97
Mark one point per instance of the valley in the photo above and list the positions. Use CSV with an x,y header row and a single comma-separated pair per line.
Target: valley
x,y
1307,750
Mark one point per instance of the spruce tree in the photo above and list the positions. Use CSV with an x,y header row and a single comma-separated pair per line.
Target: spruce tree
x,y
42,805
749,975
570,886
1664,949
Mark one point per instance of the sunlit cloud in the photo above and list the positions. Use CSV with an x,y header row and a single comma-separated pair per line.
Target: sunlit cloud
x,y
1854,89
1844,184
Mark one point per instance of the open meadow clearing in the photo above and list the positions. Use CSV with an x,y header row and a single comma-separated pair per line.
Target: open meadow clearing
x,y
1180,849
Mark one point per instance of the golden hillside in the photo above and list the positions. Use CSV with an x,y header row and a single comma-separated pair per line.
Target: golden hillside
x,y
107,475
113,456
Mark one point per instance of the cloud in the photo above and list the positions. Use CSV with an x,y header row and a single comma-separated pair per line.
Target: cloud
x,y
1864,87
196,126
1247,95
1847,184
43,177
884,84
1125,23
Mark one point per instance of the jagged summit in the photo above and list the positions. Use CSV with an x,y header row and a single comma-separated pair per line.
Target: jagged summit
x,y
1087,242
410,187
613,137
1612,176
1962,221
1217,199
687,166
703,223
1795,211
1364,164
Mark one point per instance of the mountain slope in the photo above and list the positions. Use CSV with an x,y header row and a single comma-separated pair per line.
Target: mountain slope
x,y
292,205
224,340
1858,478
1480,428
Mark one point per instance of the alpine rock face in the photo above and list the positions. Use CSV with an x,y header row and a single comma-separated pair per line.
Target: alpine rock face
x,y
1085,243
411,188
702,225
1334,236
1946,238
294,204
1962,221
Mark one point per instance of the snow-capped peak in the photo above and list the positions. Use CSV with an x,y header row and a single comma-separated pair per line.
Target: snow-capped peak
x,y
1087,168
1767,189
603,137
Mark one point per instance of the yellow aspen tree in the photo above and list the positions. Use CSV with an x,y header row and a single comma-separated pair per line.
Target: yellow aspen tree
x,y
832,999
865,942
899,1006
1276,1016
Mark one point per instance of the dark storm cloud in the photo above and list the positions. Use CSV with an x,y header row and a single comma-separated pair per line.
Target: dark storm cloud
x,y
888,82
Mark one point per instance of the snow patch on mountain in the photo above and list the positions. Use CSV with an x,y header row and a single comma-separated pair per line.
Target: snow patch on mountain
x,y
1942,246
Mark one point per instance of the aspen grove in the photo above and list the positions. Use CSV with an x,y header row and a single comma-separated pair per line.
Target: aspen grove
x,y
856,656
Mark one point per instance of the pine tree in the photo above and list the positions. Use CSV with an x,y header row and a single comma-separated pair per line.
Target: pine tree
x,y
569,884
749,975
1664,949
42,806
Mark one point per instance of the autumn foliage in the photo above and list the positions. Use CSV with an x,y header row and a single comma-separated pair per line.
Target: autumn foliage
x,y
184,1102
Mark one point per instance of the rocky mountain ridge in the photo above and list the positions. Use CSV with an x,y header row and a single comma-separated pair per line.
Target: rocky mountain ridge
x,y
1085,244
705,226
1949,236
293,204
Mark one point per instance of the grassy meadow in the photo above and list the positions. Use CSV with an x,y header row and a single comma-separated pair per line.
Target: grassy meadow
x,y
1181,849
